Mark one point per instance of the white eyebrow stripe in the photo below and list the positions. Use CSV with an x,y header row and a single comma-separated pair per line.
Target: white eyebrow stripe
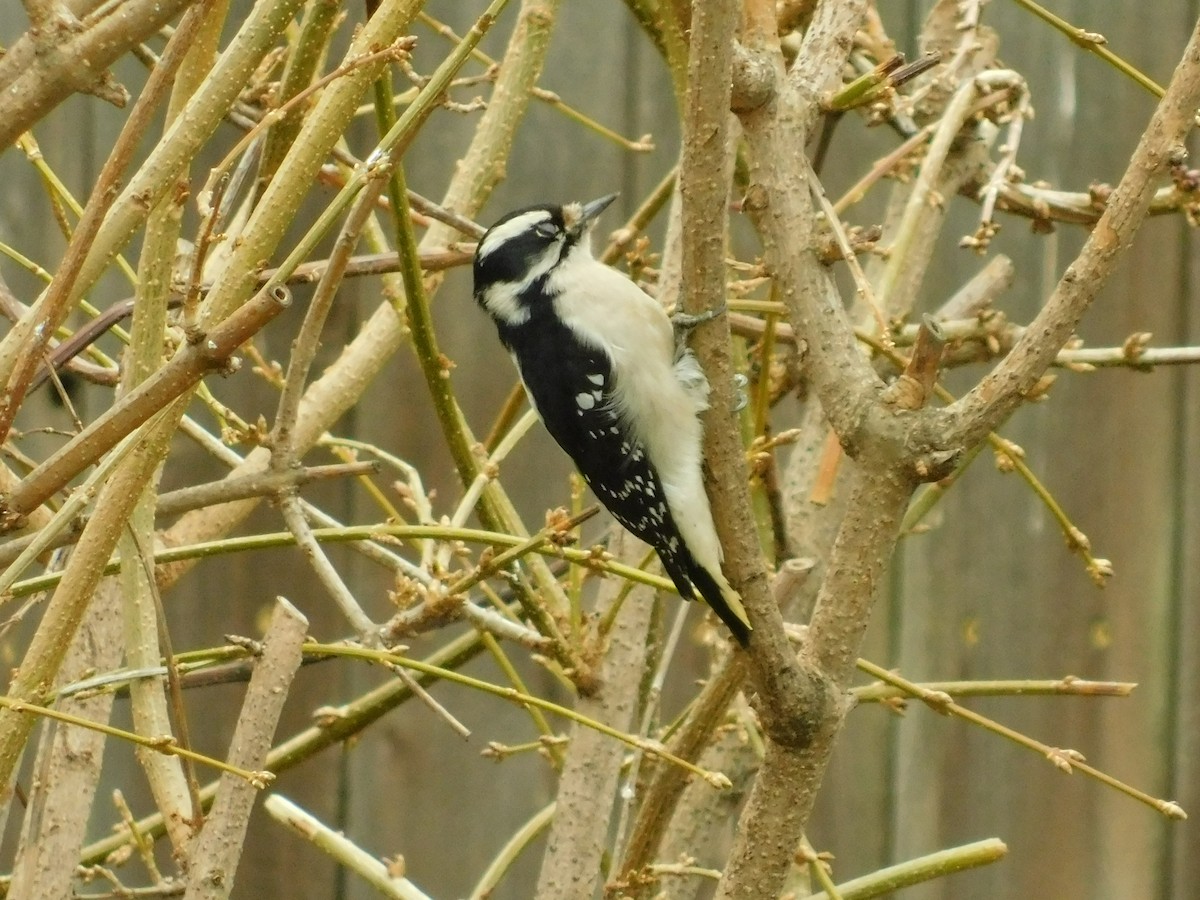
x,y
502,234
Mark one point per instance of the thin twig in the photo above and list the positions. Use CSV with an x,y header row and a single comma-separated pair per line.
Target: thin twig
x,y
348,720
172,503
342,849
308,341
1093,42
503,860
1064,760
367,631
592,558
258,779
715,779
173,380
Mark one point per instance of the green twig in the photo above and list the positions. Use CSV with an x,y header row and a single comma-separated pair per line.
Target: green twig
x,y
508,854
539,719
548,97
165,745
653,748
923,868
818,869
348,720
590,558
879,692
1093,43
1065,760
501,560
434,365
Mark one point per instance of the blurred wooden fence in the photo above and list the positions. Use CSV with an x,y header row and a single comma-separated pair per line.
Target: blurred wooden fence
x,y
990,593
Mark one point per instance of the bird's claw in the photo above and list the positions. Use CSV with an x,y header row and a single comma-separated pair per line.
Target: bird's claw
x,y
742,398
685,322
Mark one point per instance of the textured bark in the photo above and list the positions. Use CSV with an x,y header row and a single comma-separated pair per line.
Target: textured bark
x,y
67,769
67,56
218,848
574,858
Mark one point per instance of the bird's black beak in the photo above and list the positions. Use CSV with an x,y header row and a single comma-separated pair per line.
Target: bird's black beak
x,y
592,210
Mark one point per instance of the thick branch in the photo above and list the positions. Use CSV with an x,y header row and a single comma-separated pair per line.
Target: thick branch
x,y
24,347
703,194
991,401
708,710
219,846
69,761
857,566
784,792
778,200
173,380
771,824
574,857
34,81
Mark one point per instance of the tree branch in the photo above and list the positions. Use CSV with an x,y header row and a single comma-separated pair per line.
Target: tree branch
x,y
183,372
219,846
23,348
668,782
994,399
69,760
33,82
340,385
574,854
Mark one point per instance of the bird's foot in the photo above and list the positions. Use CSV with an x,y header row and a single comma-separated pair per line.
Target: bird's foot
x,y
741,397
685,322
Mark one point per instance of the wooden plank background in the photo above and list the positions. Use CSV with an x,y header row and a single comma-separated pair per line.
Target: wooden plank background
x,y
990,593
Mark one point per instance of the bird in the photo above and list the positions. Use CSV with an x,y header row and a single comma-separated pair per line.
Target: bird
x,y
600,363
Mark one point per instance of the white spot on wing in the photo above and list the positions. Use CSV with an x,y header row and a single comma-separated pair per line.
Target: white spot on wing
x,y
584,401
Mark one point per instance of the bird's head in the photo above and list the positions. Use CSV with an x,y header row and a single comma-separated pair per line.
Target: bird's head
x,y
519,252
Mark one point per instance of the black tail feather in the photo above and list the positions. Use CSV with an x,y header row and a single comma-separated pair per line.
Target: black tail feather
x,y
690,579
712,595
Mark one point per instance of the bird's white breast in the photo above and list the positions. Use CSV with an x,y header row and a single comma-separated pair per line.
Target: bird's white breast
x,y
657,397
610,311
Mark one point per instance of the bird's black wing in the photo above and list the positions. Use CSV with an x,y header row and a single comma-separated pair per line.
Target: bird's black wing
x,y
571,386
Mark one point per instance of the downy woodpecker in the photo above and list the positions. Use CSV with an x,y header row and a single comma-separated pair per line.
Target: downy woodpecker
x,y
598,359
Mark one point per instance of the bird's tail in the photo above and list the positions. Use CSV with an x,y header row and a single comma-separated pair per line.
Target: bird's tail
x,y
693,580
719,594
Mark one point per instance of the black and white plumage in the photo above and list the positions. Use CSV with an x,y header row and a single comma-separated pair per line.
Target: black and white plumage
x,y
598,359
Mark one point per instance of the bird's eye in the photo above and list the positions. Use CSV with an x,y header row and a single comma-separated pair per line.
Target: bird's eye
x,y
547,230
